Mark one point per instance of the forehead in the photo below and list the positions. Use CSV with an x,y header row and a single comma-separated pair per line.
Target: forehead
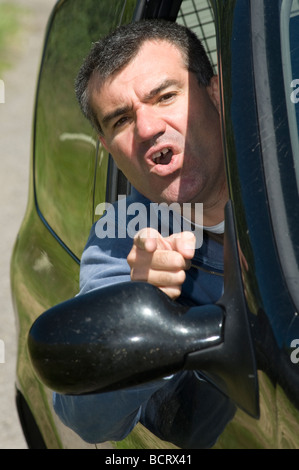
x,y
151,56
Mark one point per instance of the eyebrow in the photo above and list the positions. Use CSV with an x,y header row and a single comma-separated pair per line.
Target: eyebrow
x,y
149,96
114,114
165,84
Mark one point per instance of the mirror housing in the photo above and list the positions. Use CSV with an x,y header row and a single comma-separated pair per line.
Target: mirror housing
x,y
118,336
131,333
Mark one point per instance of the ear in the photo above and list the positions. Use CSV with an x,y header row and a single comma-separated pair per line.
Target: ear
x,y
103,141
213,91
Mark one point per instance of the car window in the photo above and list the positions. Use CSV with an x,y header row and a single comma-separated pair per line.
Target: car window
x,y
66,150
198,16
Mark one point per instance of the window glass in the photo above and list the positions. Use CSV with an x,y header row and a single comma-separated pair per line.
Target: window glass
x,y
198,16
66,148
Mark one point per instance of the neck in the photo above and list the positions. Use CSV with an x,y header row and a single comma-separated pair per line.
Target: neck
x,y
213,210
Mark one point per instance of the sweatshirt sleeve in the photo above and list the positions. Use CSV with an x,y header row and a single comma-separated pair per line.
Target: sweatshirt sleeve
x,y
104,263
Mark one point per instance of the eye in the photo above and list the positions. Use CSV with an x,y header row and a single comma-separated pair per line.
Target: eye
x,y
167,97
121,121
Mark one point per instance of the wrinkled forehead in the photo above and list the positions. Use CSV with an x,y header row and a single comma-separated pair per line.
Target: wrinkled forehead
x,y
100,77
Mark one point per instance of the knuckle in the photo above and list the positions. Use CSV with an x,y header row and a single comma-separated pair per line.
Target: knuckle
x,y
178,260
173,292
131,258
173,279
176,293
181,275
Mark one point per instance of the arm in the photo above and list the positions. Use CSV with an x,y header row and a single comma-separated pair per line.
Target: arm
x,y
112,416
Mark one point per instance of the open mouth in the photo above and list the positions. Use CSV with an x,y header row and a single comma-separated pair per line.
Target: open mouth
x,y
162,157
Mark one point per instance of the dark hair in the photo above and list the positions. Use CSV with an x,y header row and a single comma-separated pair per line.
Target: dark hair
x,y
112,53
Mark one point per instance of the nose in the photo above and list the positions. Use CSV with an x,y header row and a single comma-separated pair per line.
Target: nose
x,y
148,123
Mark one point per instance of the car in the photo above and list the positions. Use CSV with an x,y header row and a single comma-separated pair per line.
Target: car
x,y
250,348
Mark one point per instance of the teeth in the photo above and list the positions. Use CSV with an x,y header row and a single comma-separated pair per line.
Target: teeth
x,y
160,154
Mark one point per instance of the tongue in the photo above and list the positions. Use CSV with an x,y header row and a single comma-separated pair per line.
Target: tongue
x,y
164,159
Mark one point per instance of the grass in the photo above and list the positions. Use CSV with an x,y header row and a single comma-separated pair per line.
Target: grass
x,y
10,21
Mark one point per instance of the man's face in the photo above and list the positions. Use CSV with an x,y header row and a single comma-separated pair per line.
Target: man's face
x,y
162,128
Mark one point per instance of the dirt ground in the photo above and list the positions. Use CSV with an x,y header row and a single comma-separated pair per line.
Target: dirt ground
x,y
15,141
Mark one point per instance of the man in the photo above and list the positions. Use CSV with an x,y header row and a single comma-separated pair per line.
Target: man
x,y
149,90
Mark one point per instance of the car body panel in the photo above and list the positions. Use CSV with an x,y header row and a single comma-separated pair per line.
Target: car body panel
x,y
38,257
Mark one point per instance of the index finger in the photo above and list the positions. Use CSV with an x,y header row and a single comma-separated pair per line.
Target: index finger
x,y
149,239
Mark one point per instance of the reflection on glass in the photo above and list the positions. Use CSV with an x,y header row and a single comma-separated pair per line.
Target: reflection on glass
x,y
66,148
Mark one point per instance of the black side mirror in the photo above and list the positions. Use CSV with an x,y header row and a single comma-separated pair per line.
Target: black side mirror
x,y
131,333
118,336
